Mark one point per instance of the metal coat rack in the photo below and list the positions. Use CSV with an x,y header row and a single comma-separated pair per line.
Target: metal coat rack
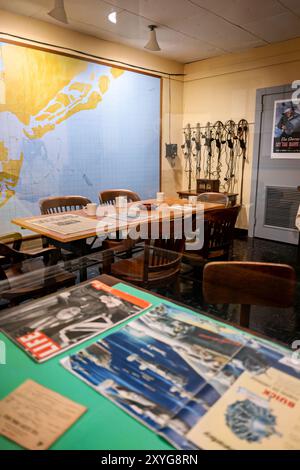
x,y
217,152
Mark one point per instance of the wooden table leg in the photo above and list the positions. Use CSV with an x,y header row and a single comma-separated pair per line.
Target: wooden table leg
x,y
245,316
81,249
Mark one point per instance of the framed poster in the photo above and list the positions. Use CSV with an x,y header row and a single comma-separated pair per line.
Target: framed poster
x,y
286,129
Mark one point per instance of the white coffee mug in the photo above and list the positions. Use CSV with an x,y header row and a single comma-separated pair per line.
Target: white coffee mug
x,y
193,199
160,197
91,208
121,202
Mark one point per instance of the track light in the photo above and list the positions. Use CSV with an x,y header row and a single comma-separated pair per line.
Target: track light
x,y
152,44
59,12
112,17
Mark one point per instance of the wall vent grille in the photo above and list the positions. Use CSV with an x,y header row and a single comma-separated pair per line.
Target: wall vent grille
x,y
282,205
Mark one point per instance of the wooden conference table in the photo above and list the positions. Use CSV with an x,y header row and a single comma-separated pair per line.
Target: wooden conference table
x,y
76,242
27,222
104,425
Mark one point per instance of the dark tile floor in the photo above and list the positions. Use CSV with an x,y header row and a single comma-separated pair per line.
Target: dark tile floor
x,y
283,325
280,324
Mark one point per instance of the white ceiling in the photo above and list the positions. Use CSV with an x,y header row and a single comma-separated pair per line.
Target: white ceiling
x,y
188,30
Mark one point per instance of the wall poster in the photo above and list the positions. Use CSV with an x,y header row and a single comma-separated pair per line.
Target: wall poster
x,y
286,129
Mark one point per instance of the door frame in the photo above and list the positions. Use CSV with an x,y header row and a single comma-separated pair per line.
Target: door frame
x,y
260,93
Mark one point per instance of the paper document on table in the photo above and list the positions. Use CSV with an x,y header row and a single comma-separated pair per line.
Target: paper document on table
x,y
130,217
185,208
178,207
106,224
259,412
66,224
34,416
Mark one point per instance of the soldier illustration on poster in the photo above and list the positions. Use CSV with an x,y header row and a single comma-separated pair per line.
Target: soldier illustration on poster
x,y
286,129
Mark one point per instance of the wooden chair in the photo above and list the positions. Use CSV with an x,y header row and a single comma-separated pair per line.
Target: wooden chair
x,y
13,239
218,237
218,198
55,205
21,276
158,265
249,283
109,196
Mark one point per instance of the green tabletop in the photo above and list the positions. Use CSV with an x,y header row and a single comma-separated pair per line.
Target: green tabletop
x,y
104,425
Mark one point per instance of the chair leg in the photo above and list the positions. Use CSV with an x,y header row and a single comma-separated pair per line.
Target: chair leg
x,y
245,315
107,261
45,242
176,288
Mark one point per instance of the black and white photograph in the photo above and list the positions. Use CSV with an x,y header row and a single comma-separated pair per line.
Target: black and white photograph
x,y
46,328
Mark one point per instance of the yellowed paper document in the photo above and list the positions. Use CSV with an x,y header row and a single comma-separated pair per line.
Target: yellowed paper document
x,y
259,412
66,224
34,416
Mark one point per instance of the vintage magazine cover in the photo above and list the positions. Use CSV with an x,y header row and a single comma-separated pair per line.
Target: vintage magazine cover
x,y
45,328
259,412
169,367
286,129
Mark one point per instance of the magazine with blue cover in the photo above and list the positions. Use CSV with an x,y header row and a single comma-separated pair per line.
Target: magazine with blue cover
x,y
169,367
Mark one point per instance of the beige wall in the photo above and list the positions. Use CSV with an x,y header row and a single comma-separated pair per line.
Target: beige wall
x,y
220,88
52,34
225,87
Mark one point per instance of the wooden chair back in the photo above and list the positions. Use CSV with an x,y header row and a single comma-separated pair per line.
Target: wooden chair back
x,y
55,205
10,245
161,258
12,265
109,196
218,198
14,239
3,277
160,264
249,283
163,255
167,235
219,232
10,254
25,275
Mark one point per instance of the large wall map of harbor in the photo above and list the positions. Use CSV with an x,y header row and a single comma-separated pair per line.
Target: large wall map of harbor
x,y
67,125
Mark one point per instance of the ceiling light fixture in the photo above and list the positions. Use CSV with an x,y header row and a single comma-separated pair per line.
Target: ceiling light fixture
x,y
152,44
59,12
112,17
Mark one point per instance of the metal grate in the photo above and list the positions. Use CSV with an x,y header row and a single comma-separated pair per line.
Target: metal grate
x,y
281,206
